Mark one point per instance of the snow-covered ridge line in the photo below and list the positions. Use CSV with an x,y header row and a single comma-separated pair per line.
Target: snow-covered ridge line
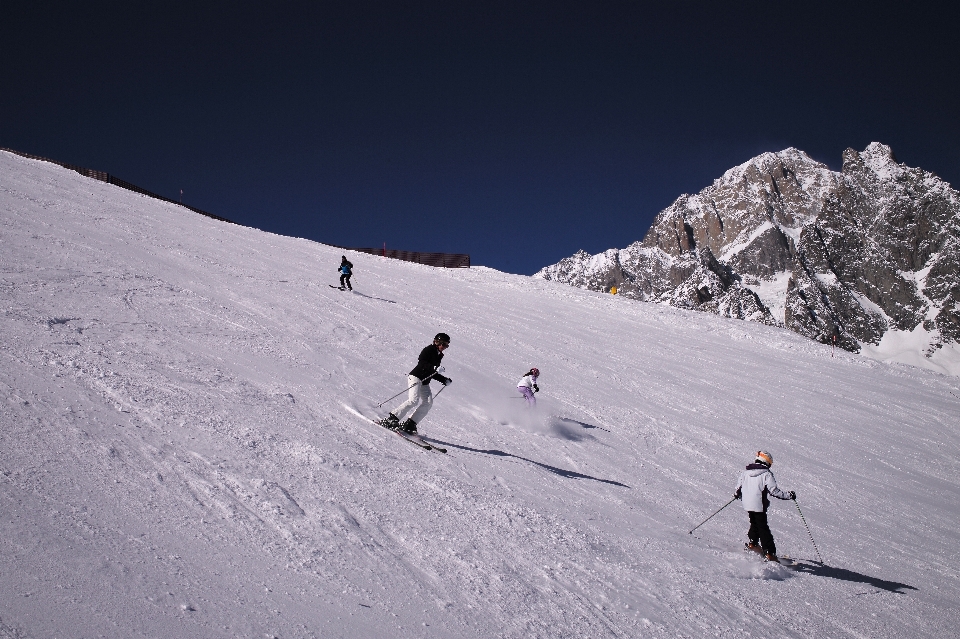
x,y
103,176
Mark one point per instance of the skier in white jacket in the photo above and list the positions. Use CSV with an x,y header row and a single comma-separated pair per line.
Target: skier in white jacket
x,y
528,386
753,486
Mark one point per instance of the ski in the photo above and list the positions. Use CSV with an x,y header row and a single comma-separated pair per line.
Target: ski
x,y
788,562
339,288
413,439
417,439
783,560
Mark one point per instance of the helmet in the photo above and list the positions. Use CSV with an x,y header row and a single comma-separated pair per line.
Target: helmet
x,y
442,337
764,457
535,371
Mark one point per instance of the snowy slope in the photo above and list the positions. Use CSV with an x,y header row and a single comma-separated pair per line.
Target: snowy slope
x,y
179,456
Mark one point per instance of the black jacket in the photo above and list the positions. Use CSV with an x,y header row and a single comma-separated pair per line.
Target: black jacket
x,y
427,363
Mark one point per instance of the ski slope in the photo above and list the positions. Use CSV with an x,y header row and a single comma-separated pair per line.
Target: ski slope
x,y
179,453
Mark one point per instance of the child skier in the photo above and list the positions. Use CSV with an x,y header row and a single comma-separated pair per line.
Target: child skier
x,y
419,381
346,270
753,486
528,386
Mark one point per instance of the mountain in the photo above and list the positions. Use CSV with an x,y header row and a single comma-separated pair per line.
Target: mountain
x,y
867,258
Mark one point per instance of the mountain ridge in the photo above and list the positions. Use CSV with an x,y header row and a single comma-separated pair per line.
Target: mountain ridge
x,y
849,257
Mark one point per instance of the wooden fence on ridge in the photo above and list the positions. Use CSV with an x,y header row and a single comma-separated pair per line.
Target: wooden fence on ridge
x,y
103,176
443,260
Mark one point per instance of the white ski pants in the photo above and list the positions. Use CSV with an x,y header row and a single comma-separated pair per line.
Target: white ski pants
x,y
419,392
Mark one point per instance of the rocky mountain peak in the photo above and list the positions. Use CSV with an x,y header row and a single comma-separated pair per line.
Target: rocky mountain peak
x,y
842,257
876,158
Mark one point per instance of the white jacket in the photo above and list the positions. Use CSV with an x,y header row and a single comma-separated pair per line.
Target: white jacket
x,y
527,380
755,483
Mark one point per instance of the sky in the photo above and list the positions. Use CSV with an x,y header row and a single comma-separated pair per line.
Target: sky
x,y
516,132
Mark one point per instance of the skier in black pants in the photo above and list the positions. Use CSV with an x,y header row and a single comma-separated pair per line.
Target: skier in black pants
x,y
419,381
753,486
346,270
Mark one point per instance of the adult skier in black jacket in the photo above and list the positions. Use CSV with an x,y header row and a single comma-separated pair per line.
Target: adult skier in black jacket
x,y
345,270
419,380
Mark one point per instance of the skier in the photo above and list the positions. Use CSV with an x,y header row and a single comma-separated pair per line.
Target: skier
x,y
346,270
419,381
753,486
528,386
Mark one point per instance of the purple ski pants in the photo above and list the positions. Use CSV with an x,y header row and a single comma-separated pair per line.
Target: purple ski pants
x,y
527,393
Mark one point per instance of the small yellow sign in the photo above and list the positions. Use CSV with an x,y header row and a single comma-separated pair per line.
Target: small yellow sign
x,y
613,290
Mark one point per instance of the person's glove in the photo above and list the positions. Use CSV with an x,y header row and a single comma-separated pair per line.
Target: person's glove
x,y
536,389
447,381
738,494
793,495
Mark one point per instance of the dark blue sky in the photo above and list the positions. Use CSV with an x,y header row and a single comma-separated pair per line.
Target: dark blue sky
x,y
516,132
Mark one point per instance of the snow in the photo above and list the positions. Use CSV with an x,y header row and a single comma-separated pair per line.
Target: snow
x,y
745,240
601,261
879,159
865,302
911,347
178,457
772,292
792,232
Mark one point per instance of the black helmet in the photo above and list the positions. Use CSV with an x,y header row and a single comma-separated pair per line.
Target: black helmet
x,y
442,337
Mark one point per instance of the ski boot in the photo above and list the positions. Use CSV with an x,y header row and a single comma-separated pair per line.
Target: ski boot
x,y
391,421
409,427
771,557
754,547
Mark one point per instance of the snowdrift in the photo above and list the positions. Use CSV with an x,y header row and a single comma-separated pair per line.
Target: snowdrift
x,y
179,453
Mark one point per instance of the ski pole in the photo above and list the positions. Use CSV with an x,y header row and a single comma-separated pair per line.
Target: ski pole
x,y
439,370
712,516
808,531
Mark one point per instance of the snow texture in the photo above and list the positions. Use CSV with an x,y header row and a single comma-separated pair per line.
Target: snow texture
x,y
178,455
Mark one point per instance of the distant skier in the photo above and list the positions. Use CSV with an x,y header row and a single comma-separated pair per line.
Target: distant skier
x,y
346,270
528,386
753,486
419,381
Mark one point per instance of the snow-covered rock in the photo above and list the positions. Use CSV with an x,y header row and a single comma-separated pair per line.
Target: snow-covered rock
x,y
840,257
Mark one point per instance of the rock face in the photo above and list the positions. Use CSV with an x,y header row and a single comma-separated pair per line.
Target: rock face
x,y
838,257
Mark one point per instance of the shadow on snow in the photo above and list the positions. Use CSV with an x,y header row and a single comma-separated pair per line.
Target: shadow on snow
x,y
583,424
371,297
553,469
823,570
